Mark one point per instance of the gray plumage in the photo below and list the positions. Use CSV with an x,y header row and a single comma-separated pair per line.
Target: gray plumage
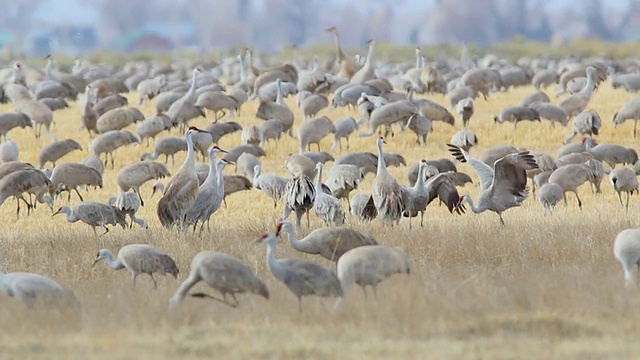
x,y
222,272
150,127
549,195
9,151
550,112
629,111
464,139
362,207
301,277
270,184
94,214
210,194
386,192
70,176
465,108
135,174
220,129
326,206
234,153
538,96
576,103
313,131
503,186
56,150
570,177
624,180
626,249
9,121
129,203
516,114
140,259
421,126
585,123
28,180
167,146
611,154
110,141
344,128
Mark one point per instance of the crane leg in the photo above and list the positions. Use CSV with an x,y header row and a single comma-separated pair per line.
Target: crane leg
x,y
106,230
300,303
155,283
579,201
375,291
501,219
77,192
135,276
635,124
620,198
627,206
364,290
235,301
422,218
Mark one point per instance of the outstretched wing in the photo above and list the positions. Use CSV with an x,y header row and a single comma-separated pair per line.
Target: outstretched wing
x,y
441,186
484,171
511,174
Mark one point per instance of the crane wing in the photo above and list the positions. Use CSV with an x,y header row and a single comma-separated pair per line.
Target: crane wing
x,y
484,171
511,174
442,186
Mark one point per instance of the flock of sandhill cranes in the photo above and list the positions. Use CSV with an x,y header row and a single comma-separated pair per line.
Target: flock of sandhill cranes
x,y
382,95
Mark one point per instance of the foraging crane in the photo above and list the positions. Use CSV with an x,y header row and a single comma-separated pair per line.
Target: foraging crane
x,y
94,214
300,276
33,289
139,259
270,184
222,272
370,265
329,242
503,186
181,192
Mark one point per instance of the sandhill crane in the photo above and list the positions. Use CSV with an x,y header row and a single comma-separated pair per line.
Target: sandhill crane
x,y
150,127
312,105
344,128
180,194
540,96
129,203
367,71
234,153
386,192
570,177
389,114
626,249
69,176
179,111
329,242
503,186
234,184
133,175
464,108
210,193
313,131
9,151
365,161
362,207
251,135
112,140
624,180
629,111
94,214
246,164
34,289
39,113
270,184
370,265
342,179
347,64
326,206
217,101
220,129
612,154
416,198
277,110
516,114
24,180
298,164
299,197
139,259
576,103
222,272
56,150
167,146
421,126
464,139
585,123
549,196
94,162
300,276
12,120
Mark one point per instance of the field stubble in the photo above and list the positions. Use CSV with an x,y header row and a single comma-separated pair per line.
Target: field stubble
x,y
538,287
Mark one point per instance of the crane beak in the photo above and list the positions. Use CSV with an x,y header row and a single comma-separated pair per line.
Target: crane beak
x,y
95,262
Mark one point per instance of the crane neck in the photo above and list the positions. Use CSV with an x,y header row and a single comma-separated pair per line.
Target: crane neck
x,y
369,61
473,207
243,71
341,55
417,59
420,183
114,264
189,164
279,93
220,178
382,167
192,89
319,179
272,262
71,217
590,85
49,69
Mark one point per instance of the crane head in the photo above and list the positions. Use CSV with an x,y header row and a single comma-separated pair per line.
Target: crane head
x,y
381,140
370,42
423,161
217,148
102,255
265,238
332,29
584,139
195,129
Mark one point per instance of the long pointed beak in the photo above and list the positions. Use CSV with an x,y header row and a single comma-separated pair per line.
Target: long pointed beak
x,y
94,263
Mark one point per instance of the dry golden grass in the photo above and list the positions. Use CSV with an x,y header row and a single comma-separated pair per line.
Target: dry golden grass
x,y
538,287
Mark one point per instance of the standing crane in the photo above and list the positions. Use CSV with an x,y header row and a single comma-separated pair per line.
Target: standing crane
x,y
210,193
181,192
386,192
139,259
300,276
179,112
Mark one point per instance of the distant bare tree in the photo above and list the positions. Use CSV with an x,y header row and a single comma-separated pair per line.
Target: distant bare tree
x,y
605,30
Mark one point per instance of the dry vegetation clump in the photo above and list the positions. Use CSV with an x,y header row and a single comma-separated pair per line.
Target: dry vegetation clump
x,y
540,287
